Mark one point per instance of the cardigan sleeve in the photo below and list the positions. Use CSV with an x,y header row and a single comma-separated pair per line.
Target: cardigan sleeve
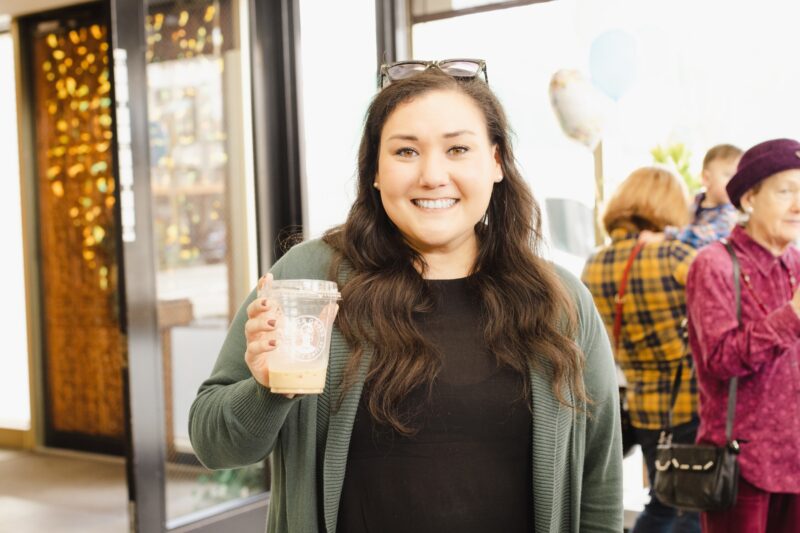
x,y
234,420
601,491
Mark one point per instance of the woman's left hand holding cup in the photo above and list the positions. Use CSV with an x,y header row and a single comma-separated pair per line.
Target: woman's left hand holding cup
x,y
260,332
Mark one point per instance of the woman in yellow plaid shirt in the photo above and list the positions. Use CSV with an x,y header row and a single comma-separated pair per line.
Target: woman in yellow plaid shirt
x,y
651,342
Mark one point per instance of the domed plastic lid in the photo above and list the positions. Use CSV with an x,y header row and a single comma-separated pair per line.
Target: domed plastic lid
x,y
307,288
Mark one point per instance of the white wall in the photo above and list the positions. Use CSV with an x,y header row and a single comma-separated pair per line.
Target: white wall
x,y
709,72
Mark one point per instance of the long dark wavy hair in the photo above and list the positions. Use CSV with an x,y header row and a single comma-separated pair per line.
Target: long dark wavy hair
x,y
530,319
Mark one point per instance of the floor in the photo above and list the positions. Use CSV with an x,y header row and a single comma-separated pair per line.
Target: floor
x,y
56,491
51,492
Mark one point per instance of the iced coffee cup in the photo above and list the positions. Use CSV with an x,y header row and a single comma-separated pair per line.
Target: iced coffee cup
x,y
305,309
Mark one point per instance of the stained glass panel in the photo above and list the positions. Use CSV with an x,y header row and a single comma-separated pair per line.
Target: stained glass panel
x,y
77,224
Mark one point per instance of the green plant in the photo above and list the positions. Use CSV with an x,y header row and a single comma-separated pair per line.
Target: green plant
x,y
677,156
223,485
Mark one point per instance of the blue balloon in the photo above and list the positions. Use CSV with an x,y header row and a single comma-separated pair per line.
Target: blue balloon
x,y
612,62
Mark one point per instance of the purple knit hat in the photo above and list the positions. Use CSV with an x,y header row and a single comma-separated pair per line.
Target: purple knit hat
x,y
759,163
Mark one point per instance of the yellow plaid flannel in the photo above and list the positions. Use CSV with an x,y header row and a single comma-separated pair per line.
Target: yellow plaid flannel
x,y
652,338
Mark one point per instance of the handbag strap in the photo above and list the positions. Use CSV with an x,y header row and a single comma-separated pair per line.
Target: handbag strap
x,y
673,398
734,381
619,300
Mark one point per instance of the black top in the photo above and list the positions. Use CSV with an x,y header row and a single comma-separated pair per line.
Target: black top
x,y
468,469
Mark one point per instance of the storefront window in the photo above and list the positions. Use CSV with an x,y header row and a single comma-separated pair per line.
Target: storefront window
x,y
338,81
558,170
15,410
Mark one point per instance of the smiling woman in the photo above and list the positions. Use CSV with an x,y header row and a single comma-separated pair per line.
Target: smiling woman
x,y
436,171
451,330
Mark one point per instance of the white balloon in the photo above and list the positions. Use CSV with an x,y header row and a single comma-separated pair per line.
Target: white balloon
x,y
581,108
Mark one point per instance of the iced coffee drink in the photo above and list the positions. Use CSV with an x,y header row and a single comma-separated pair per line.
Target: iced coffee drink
x,y
305,310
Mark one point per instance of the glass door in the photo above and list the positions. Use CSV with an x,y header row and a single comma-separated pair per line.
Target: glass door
x,y
205,256
192,252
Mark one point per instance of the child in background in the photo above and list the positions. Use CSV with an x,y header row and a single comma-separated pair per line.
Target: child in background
x,y
713,214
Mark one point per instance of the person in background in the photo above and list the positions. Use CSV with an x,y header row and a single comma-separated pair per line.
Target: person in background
x,y
713,215
470,386
764,351
651,345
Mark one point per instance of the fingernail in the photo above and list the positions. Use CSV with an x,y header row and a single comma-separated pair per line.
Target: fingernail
x,y
264,302
273,342
271,322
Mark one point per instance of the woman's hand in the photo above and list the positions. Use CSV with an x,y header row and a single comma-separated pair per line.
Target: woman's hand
x,y
796,301
259,330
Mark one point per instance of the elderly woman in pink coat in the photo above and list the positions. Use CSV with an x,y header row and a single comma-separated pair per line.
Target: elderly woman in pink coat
x,y
764,351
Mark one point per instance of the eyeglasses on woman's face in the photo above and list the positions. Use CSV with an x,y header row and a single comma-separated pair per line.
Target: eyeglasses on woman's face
x,y
457,68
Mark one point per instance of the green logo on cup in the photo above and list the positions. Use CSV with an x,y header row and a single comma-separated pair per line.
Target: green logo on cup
x,y
308,338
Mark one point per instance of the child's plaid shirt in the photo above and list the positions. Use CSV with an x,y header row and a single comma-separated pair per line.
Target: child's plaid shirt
x,y
709,224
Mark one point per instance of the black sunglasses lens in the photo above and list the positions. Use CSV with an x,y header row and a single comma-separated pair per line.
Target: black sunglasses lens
x,y
405,70
460,69
457,68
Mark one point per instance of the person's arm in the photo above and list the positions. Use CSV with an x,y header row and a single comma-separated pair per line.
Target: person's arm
x,y
601,500
234,420
728,350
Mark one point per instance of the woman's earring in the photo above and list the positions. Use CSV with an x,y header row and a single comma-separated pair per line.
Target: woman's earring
x,y
748,210
375,184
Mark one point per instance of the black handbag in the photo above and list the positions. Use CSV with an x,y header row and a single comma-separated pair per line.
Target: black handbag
x,y
696,477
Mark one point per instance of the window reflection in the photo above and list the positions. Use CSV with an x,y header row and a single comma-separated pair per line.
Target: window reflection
x,y
188,154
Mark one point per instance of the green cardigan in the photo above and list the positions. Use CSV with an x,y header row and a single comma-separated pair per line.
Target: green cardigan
x,y
234,421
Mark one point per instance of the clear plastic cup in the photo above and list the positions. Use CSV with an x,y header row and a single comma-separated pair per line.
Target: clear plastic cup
x,y
305,310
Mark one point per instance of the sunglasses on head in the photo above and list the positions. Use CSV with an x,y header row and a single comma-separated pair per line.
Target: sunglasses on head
x,y
457,68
